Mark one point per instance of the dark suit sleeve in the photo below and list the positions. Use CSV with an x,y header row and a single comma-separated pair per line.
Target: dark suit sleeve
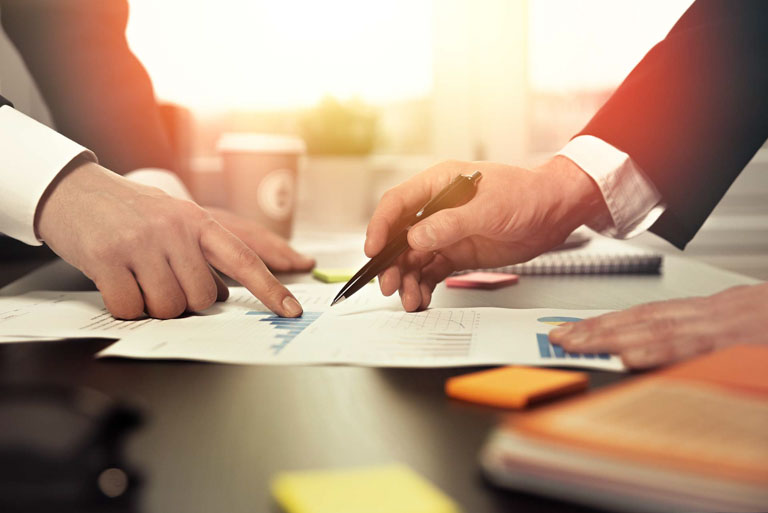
x,y
98,93
694,111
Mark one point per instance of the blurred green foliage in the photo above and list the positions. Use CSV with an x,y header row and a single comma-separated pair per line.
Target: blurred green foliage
x,y
340,128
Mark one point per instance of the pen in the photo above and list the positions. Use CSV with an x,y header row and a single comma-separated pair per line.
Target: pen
x,y
459,191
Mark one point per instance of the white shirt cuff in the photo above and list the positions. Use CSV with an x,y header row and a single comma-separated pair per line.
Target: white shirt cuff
x,y
163,179
31,156
633,202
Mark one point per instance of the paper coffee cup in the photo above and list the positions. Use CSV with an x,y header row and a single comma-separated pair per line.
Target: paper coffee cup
x,y
261,177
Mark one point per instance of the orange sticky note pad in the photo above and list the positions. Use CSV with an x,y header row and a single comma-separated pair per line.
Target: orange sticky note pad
x,y
481,280
514,387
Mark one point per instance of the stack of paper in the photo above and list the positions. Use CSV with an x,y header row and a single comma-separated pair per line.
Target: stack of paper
x,y
367,329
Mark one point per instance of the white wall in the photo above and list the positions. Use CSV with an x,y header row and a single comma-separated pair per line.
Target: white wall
x,y
480,80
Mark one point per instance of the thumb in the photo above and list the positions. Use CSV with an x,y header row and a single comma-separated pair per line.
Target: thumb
x,y
442,229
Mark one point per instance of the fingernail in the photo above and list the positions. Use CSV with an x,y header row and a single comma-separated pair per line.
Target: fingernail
x,y
291,307
561,331
424,236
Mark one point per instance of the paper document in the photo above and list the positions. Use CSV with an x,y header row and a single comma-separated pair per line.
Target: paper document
x,y
367,329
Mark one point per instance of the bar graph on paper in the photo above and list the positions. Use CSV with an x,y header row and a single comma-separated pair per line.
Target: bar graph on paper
x,y
548,350
287,328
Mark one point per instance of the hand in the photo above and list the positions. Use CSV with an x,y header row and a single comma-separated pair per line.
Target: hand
x,y
146,251
271,248
515,215
668,331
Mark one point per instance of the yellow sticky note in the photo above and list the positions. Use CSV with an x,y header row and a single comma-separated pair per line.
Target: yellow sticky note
x,y
383,489
333,275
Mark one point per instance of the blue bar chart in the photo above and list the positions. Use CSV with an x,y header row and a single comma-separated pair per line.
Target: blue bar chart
x,y
287,328
554,351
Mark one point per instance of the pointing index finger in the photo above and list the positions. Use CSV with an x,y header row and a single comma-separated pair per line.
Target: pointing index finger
x,y
232,256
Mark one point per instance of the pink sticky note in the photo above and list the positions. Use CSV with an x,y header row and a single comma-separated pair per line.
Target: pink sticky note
x,y
480,280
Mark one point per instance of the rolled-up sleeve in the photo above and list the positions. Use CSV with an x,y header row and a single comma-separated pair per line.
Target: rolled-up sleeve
x,y
633,202
31,156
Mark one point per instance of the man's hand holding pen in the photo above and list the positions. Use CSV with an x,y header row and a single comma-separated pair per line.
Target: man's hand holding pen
x,y
515,215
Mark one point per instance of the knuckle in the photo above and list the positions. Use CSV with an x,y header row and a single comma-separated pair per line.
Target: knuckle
x,y
202,300
634,359
206,222
451,223
273,288
126,310
390,196
166,222
647,311
101,250
662,328
168,309
246,257
124,241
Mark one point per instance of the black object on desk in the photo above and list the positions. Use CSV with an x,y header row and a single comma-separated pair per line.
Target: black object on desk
x,y
61,450
459,191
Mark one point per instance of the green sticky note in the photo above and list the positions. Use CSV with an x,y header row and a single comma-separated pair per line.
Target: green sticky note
x,y
334,275
384,489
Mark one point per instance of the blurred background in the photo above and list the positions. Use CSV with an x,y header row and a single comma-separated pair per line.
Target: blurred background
x,y
381,90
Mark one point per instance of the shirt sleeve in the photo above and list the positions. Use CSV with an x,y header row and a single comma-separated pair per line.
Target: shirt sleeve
x,y
633,202
31,156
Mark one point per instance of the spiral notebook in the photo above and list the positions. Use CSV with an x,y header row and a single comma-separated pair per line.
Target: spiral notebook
x,y
583,254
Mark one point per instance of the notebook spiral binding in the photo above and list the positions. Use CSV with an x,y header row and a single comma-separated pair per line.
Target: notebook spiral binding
x,y
578,262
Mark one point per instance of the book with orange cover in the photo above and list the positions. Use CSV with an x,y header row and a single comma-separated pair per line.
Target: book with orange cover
x,y
690,437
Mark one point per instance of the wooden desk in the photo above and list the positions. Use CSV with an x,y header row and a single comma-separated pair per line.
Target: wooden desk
x,y
216,433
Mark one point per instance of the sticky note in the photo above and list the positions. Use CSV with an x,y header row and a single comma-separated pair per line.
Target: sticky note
x,y
481,280
514,387
333,275
382,489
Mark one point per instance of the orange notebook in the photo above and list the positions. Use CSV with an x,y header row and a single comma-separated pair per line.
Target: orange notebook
x,y
724,395
693,437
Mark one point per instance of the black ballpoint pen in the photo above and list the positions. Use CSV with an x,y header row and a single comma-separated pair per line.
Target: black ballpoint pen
x,y
459,191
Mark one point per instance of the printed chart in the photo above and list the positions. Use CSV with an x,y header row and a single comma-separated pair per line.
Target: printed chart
x,y
554,351
286,328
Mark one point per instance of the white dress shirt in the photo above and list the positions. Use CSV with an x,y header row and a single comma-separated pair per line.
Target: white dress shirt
x,y
633,202
31,156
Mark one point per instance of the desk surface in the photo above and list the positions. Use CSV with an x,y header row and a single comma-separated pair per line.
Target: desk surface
x,y
217,433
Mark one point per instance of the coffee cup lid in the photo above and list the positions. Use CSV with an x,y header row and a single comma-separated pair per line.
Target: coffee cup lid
x,y
249,142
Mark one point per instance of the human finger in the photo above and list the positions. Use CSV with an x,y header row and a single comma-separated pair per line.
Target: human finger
x,y
426,294
228,253
410,292
163,296
664,352
585,332
648,343
277,254
195,278
445,228
222,291
120,292
437,270
389,280
404,200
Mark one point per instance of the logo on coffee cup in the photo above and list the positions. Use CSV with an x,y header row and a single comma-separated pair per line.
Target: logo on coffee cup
x,y
275,194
